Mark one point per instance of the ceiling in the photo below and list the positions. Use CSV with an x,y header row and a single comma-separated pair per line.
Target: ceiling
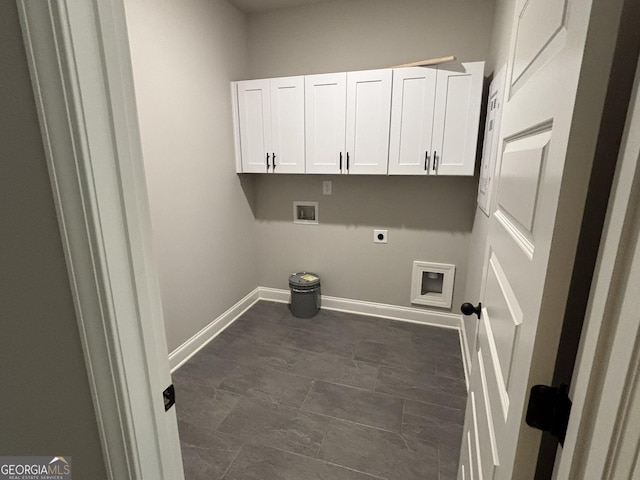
x,y
255,6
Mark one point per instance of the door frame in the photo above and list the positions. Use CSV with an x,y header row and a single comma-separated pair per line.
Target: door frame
x,y
80,67
605,386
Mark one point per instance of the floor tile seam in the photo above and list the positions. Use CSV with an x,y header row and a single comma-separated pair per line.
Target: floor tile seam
x,y
334,357
344,385
406,436
444,421
260,344
307,396
366,390
318,459
351,469
264,442
326,432
250,363
315,378
331,417
261,366
406,397
428,388
206,448
233,461
439,423
436,405
449,377
395,365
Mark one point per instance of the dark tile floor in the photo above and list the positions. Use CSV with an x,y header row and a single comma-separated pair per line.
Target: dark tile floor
x,y
334,397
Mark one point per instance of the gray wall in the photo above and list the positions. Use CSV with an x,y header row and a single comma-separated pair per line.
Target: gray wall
x,y
46,402
184,55
362,34
428,219
477,247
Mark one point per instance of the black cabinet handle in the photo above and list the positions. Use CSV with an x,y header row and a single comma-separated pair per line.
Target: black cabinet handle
x,y
340,162
435,160
274,162
426,160
347,161
267,162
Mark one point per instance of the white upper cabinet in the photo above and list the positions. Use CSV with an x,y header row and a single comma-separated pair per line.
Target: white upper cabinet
x,y
456,118
412,104
406,121
271,125
325,104
434,119
368,117
287,125
347,122
254,118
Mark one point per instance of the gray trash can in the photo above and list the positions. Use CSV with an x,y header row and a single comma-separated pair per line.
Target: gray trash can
x,y
305,294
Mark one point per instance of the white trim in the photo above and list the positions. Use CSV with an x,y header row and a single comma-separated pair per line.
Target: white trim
x,y
80,69
184,352
466,351
274,294
606,366
192,346
373,309
236,127
434,299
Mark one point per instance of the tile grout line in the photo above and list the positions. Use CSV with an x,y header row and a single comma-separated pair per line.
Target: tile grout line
x,y
233,461
355,343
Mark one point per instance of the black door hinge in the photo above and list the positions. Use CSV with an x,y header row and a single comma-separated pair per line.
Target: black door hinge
x,y
549,409
169,396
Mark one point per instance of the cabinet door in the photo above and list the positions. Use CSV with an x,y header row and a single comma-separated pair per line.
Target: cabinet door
x,y
325,105
254,117
412,105
287,125
368,117
456,119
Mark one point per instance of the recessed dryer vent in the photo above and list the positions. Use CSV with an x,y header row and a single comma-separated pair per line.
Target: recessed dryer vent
x,y
432,284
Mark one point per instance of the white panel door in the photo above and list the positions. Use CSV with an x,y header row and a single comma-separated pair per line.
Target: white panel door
x,y
368,118
287,125
532,236
325,114
412,105
456,119
254,117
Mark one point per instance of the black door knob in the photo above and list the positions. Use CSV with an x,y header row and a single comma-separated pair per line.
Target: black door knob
x,y
469,309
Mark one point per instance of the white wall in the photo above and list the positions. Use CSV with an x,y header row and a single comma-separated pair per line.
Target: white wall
x,y
498,57
184,55
428,219
46,406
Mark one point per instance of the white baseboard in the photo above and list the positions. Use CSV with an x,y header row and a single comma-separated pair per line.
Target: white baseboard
x,y
192,346
466,351
405,314
360,307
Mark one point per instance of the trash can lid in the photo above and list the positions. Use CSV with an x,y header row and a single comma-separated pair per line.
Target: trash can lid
x,y
304,279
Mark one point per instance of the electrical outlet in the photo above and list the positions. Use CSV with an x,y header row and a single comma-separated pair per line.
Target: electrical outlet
x,y
327,187
380,236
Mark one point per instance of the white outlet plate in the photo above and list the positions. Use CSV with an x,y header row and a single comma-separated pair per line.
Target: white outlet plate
x,y
327,187
380,236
